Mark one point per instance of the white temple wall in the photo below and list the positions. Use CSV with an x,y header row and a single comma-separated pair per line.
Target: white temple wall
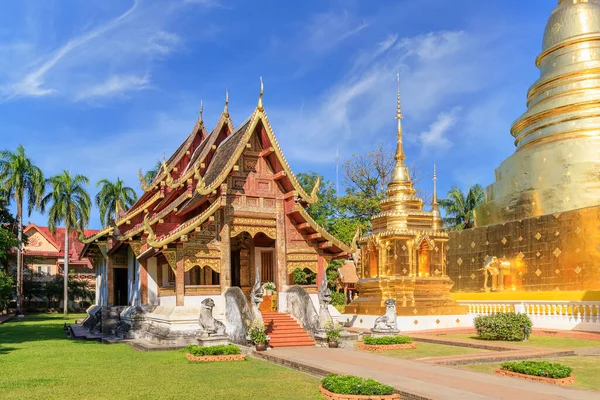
x,y
152,281
101,283
133,277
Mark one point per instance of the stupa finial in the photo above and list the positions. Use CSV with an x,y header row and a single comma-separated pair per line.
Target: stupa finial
x,y
434,201
262,91
399,149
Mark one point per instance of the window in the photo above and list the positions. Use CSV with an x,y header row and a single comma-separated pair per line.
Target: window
x,y
170,275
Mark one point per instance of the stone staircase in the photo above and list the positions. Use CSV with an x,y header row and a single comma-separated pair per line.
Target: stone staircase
x,y
284,331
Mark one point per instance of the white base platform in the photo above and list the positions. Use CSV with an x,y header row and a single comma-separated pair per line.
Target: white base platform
x,y
416,323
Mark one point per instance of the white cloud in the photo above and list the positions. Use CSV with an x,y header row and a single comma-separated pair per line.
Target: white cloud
x,y
326,30
31,84
114,85
110,58
435,138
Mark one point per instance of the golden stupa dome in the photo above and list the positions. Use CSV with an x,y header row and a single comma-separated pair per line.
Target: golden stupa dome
x,y
572,20
556,165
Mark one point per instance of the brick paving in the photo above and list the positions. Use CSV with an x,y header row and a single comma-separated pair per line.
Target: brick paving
x,y
419,380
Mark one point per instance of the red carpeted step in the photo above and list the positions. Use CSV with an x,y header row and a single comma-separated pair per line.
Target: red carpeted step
x,y
284,331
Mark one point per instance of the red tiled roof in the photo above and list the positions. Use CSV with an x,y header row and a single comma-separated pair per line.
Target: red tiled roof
x,y
58,239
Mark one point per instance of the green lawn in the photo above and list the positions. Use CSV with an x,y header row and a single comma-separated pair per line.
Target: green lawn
x,y
586,370
538,341
429,350
38,362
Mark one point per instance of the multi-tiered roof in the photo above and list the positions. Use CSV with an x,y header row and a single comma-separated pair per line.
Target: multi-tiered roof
x,y
191,185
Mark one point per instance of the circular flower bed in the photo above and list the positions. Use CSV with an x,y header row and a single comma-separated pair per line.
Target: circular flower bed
x,y
214,353
348,387
386,343
539,371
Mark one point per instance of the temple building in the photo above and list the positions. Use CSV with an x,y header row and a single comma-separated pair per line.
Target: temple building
x,y
224,207
403,257
539,228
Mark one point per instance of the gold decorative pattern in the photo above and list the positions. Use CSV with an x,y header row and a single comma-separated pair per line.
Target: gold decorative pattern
x,y
171,256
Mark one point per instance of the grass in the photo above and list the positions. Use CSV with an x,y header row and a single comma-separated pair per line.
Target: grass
x,y
586,370
424,350
38,362
550,342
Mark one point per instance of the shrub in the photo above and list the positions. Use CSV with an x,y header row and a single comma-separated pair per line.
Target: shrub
x,y
333,331
538,368
257,332
348,384
503,326
378,341
219,350
338,299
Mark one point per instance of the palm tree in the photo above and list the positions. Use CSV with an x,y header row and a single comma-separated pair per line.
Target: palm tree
x,y
21,180
111,197
69,203
460,209
151,173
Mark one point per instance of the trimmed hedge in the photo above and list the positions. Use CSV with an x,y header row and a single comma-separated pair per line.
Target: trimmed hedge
x,y
219,350
538,368
503,326
383,340
348,384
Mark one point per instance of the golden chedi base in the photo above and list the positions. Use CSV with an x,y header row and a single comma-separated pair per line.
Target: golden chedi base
x,y
413,295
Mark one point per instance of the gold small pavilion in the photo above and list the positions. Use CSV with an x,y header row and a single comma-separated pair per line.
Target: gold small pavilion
x,y
403,258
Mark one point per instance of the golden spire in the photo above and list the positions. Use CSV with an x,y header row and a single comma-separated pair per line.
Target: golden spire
x,y
400,172
262,90
399,150
226,109
434,201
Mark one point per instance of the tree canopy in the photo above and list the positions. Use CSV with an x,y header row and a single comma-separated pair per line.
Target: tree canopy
x,y
460,207
112,197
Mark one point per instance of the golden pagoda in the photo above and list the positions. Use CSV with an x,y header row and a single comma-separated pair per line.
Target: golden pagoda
x,y
556,165
403,257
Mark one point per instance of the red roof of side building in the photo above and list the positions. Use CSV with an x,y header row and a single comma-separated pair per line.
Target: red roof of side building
x,y
58,241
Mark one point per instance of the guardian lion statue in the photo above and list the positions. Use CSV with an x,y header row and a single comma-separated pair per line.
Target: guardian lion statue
x,y
387,322
210,326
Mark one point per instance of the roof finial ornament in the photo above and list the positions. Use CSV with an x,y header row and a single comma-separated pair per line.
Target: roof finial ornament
x,y
226,109
399,112
262,91
201,109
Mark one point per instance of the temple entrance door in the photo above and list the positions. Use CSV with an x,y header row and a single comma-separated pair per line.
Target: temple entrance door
x,y
235,268
120,286
424,260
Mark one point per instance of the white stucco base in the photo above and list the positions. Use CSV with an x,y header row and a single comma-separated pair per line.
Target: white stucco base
x,y
407,324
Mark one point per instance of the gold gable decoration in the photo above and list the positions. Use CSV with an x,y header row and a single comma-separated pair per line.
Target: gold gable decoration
x,y
253,226
203,258
171,256
302,261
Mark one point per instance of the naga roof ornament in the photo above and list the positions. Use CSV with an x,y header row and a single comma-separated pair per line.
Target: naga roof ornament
x,y
260,96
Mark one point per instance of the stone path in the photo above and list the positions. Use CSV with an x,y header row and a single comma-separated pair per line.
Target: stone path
x,y
419,380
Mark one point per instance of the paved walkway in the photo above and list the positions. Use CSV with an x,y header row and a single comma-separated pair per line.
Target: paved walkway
x,y
418,379
4,318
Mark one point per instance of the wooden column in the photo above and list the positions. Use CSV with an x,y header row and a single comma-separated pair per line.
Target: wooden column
x,y
321,269
225,251
281,248
179,280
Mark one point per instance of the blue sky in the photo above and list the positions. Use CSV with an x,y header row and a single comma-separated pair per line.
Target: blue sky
x,y
106,87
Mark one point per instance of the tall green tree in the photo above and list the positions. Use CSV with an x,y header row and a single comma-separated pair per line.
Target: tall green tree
x,y
460,207
111,197
22,181
151,173
70,204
